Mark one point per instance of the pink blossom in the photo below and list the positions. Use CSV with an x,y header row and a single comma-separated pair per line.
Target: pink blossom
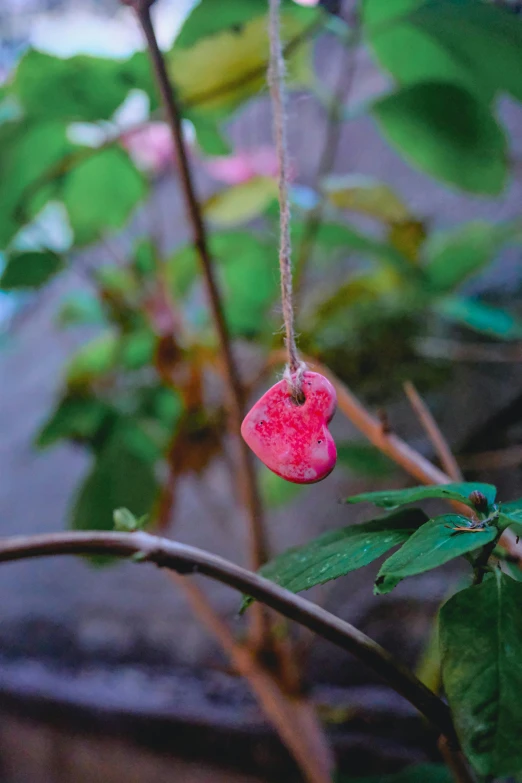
x,y
150,147
243,165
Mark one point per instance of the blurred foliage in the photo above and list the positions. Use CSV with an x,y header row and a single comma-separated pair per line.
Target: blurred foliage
x,y
138,393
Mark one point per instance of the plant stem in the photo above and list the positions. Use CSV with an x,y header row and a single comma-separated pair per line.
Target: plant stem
x,y
480,564
246,473
186,560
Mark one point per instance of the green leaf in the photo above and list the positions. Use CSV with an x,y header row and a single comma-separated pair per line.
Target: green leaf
x,y
410,54
448,133
118,280
510,515
248,273
240,203
338,552
393,498
479,317
364,459
208,136
222,70
335,236
455,255
209,17
275,491
167,405
27,152
363,194
77,417
126,522
446,40
513,509
144,261
31,269
434,544
250,285
137,349
481,639
101,192
181,271
81,88
81,308
120,476
97,357
468,28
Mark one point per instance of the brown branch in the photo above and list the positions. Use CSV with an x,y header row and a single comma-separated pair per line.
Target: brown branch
x,y
442,449
456,762
290,714
185,560
246,473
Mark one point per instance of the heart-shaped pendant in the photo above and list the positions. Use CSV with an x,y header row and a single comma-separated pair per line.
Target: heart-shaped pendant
x,y
293,439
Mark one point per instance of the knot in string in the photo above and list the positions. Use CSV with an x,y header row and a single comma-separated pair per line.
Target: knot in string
x,y
295,382
295,368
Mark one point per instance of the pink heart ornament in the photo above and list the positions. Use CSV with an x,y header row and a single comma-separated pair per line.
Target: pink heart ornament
x,y
293,440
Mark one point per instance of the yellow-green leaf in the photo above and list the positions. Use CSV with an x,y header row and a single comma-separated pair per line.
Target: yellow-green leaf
x,y
242,202
220,71
363,194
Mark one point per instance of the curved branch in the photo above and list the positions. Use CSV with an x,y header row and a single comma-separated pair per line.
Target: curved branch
x,y
185,560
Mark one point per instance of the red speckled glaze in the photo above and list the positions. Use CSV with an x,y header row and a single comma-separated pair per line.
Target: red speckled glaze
x,y
294,440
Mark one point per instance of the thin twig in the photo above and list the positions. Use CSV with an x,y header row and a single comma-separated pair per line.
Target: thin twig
x,y
246,473
439,443
290,714
185,560
455,761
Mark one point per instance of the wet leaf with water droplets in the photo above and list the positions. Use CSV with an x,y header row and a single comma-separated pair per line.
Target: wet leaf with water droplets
x,y
338,552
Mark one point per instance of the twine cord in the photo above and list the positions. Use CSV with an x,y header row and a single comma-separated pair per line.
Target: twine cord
x,y
276,78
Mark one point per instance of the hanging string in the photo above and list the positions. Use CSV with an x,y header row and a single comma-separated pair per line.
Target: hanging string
x,y
276,78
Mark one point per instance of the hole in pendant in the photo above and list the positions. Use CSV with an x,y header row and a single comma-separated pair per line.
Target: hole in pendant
x,y
319,441
298,398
